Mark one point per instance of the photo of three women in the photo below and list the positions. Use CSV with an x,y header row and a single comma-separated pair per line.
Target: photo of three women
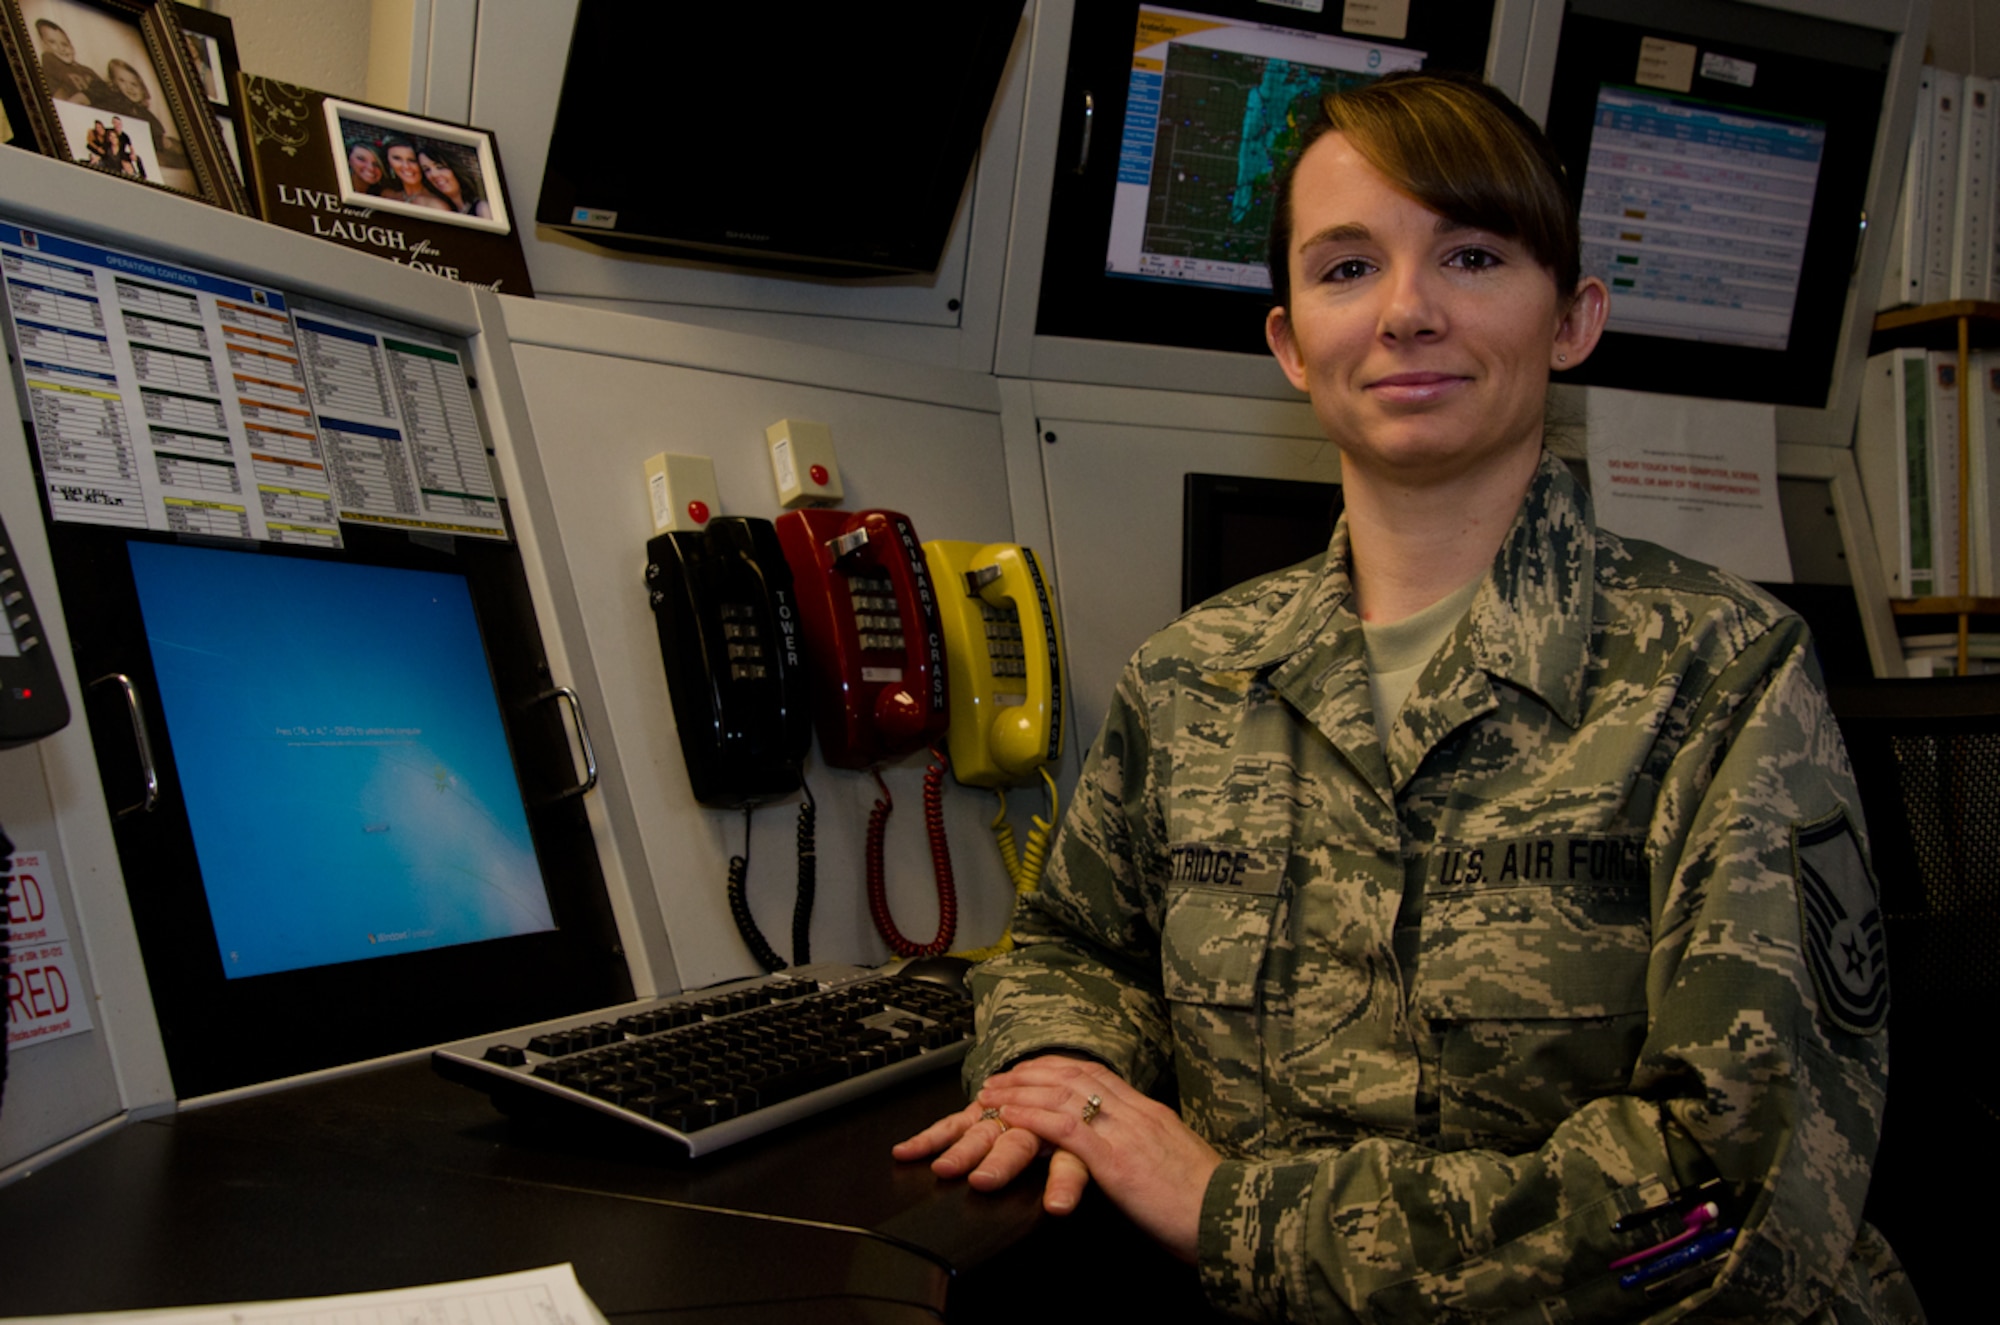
x,y
417,172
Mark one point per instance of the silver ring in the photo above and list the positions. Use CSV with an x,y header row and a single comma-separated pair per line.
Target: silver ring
x,y
1090,1108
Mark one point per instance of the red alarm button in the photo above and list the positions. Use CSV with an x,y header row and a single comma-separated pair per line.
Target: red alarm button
x,y
818,473
698,512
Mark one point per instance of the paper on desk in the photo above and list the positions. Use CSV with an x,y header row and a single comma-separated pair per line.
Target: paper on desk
x,y
1699,477
549,1296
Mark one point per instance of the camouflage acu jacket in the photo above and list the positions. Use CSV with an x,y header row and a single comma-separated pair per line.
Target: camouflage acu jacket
x,y
1451,1008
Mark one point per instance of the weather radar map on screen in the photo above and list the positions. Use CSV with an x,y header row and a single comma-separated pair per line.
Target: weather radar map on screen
x,y
1215,106
341,752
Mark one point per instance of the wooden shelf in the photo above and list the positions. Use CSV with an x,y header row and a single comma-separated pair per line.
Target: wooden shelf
x,y
1935,326
1945,606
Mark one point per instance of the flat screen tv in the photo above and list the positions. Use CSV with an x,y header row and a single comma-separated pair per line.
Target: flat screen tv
x,y
835,145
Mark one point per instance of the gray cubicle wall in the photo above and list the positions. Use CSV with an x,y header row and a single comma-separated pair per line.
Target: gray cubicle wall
x,y
603,391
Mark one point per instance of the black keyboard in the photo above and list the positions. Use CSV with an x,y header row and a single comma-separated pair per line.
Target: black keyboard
x,y
710,1069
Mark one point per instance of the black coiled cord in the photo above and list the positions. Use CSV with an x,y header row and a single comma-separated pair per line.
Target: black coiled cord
x,y
739,906
802,905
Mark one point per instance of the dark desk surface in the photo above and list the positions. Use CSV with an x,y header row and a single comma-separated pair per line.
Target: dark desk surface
x,y
396,1177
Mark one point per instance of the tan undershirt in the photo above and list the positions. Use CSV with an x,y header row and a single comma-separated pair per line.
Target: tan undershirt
x,y
1399,651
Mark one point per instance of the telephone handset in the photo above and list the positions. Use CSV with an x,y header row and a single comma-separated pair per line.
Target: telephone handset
x,y
1005,652
869,616
728,619
1005,648
729,636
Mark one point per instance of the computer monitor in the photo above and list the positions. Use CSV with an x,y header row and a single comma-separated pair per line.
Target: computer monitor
x,y
1161,207
360,842
1720,155
341,754
1235,528
838,144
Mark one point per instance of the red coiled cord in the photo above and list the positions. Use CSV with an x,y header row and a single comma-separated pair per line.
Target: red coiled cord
x,y
947,892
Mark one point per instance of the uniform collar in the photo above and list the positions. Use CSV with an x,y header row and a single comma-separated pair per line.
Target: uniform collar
x,y
1528,625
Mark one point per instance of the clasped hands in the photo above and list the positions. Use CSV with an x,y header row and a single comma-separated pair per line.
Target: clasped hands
x,y
1136,1149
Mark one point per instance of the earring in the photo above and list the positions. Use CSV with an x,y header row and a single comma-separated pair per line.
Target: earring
x,y
1562,358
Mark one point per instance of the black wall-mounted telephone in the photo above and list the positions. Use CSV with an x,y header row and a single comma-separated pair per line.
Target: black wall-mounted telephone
x,y
728,622
729,638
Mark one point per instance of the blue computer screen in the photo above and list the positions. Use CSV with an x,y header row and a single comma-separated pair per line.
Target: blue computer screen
x,y
341,753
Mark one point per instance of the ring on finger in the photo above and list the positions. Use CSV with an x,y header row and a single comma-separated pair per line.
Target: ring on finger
x,y
993,1115
1090,1107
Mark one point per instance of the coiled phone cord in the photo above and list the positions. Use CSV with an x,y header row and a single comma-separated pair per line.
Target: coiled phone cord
x,y
739,906
947,891
1023,867
802,906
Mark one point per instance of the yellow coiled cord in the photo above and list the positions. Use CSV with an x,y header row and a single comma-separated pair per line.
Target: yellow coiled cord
x,y
1024,866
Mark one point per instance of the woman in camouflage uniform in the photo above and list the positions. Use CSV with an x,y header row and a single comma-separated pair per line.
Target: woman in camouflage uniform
x,y
1489,892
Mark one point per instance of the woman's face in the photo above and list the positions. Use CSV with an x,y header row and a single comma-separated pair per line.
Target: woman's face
x,y
403,160
364,165
441,176
1426,346
129,85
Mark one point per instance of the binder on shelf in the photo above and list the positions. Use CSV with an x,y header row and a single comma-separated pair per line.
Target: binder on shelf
x,y
1941,183
1912,225
1983,441
1892,452
1941,443
1972,211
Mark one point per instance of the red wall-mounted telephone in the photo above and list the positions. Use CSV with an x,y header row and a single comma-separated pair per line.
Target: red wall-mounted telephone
x,y
875,646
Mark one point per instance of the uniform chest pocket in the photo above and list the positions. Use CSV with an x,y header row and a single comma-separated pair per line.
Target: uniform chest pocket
x,y
1212,946
1536,1002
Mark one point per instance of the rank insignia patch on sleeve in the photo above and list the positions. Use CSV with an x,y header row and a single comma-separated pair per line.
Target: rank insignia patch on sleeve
x,y
1844,941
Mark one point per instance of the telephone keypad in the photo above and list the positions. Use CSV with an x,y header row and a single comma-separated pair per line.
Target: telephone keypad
x,y
877,619
1005,641
745,642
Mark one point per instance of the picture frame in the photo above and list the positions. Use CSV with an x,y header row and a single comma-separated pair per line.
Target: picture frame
x,y
421,168
108,84
210,39
15,128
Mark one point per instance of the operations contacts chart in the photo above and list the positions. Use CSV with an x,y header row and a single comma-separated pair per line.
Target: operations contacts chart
x,y
168,398
140,419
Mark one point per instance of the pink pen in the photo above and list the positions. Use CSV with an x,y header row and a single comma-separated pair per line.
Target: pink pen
x,y
1694,1221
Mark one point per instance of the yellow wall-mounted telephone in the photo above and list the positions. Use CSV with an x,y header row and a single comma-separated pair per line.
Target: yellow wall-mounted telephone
x,y
1003,648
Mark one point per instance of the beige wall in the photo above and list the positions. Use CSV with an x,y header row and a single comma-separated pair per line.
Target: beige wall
x,y
322,44
1965,36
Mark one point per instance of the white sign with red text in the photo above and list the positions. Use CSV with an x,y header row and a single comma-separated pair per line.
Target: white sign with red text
x,y
46,994
1699,477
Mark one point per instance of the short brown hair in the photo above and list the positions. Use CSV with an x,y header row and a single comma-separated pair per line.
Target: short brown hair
x,y
1459,147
